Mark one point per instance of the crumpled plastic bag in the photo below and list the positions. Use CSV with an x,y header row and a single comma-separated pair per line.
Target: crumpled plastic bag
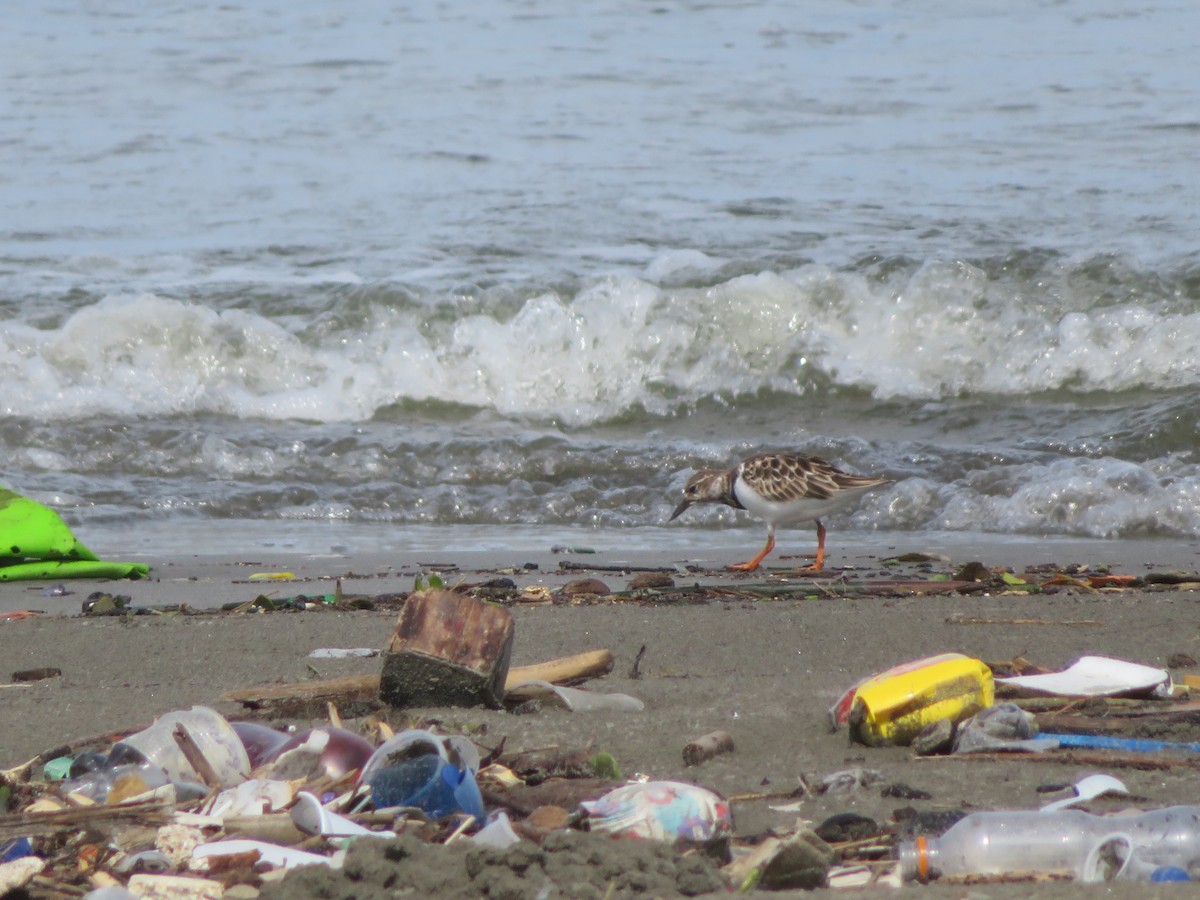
x,y
668,811
1004,726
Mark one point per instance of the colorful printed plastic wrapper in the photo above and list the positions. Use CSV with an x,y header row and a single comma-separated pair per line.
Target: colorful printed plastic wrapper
x,y
666,811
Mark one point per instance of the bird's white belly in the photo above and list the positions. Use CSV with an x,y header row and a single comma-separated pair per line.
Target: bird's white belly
x,y
803,509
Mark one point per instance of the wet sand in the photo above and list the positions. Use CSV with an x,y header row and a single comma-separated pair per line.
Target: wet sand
x,y
765,670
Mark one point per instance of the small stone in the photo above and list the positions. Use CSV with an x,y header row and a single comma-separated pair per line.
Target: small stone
x,y
585,587
973,571
548,818
506,584
802,864
902,791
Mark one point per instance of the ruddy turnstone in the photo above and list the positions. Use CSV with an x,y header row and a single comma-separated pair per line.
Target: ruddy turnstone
x,y
781,488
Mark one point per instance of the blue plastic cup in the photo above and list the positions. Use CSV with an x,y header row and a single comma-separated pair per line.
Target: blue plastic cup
x,y
433,785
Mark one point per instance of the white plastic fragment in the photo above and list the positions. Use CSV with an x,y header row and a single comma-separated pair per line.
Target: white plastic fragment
x,y
174,887
343,653
19,872
1089,788
271,854
577,700
255,797
312,818
498,833
1096,676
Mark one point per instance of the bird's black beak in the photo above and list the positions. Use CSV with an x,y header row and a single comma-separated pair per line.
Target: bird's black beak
x,y
680,508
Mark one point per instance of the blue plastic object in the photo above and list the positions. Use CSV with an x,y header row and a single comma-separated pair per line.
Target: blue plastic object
x,y
431,784
1170,873
1132,745
15,849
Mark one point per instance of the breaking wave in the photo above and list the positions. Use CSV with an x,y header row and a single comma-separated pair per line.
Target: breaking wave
x,y
685,330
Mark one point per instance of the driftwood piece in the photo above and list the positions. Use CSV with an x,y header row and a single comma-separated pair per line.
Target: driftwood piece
x,y
959,619
1131,726
536,766
706,747
563,670
567,793
195,756
309,699
1100,759
448,649
151,813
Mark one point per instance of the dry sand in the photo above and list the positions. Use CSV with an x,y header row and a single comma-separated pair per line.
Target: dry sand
x,y
764,670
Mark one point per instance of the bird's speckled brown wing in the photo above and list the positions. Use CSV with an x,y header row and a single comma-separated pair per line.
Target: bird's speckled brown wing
x,y
783,477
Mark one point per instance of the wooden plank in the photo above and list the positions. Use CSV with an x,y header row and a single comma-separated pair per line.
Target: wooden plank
x,y
448,649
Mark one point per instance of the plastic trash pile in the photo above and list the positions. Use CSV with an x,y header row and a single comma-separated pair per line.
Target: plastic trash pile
x,y
195,805
946,704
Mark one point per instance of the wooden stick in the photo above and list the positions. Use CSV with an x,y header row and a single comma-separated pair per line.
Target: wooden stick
x,y
567,565
37,824
635,671
957,619
1149,761
195,756
563,670
462,827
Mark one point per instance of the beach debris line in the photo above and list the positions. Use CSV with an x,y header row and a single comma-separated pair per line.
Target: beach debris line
x,y
655,586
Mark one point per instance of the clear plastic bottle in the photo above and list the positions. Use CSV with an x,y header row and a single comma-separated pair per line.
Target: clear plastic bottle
x,y
1003,842
1065,841
1158,839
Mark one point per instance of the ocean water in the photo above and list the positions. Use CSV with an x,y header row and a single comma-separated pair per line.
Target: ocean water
x,y
449,275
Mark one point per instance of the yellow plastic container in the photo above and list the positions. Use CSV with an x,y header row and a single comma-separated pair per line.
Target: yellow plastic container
x,y
894,706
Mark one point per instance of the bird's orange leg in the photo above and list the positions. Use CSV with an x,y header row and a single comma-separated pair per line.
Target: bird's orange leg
x,y
819,562
753,564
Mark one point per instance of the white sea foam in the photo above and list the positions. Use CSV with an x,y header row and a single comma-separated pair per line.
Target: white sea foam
x,y
1099,498
620,344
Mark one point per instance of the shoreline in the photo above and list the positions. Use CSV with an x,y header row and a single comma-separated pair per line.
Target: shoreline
x,y
207,580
